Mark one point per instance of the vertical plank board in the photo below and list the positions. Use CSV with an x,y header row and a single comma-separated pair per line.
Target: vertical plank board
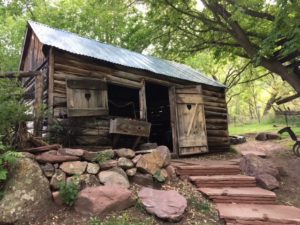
x,y
143,105
172,100
50,86
38,115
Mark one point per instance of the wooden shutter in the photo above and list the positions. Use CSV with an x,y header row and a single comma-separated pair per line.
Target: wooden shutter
x,y
190,120
87,97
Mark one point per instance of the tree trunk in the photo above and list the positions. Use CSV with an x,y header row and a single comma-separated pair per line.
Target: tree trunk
x,y
269,104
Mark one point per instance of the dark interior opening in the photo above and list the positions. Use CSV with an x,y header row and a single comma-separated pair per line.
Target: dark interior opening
x,y
123,101
158,113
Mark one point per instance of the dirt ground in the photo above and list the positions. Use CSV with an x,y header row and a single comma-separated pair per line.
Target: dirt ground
x,y
280,152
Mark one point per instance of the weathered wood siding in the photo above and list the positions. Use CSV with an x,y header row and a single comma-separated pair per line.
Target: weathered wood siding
x,y
95,130
215,108
33,59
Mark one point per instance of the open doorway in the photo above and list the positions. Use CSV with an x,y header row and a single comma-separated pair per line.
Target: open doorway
x,y
123,101
158,114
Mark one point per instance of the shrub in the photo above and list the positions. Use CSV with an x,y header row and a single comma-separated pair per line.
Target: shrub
x,y
12,112
103,156
68,192
7,157
157,176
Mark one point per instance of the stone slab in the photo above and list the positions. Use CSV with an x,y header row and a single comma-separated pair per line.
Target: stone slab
x,y
254,152
238,192
271,214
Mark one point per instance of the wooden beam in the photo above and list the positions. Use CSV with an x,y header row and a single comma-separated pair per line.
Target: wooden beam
x,y
143,105
38,104
173,116
50,87
288,99
19,74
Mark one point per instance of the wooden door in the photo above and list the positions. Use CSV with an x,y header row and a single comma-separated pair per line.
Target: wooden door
x,y
190,120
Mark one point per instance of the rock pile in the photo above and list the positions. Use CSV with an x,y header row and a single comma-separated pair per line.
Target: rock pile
x,y
107,167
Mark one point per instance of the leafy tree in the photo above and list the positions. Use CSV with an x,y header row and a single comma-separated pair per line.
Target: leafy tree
x,y
265,32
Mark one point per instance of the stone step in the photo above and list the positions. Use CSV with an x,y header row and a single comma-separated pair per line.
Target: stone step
x,y
205,170
251,195
249,214
223,181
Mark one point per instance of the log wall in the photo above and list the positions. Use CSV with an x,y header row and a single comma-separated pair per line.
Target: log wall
x,y
215,108
95,130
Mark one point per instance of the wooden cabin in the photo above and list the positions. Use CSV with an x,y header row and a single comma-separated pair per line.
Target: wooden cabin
x,y
87,93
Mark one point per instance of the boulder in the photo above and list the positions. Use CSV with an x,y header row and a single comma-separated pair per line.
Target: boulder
x,y
58,177
145,180
125,163
125,152
273,136
114,177
26,191
171,172
154,161
89,156
253,165
131,172
263,170
261,137
267,181
71,151
136,159
167,205
54,157
92,168
108,164
103,199
84,180
48,169
76,167
57,198
165,154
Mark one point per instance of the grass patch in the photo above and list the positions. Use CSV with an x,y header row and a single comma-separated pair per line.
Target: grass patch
x,y
202,205
261,127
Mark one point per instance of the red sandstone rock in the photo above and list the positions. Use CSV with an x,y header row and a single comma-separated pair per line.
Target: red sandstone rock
x,y
75,167
103,199
71,151
57,198
125,152
267,181
53,157
167,205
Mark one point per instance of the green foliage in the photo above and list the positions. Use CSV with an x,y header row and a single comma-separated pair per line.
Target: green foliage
x,y
123,219
157,176
12,112
68,192
139,206
7,158
102,157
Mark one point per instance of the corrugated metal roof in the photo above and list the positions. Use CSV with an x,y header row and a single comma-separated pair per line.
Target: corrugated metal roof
x,y
76,44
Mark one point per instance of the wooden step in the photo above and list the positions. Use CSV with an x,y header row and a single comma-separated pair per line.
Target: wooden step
x,y
223,181
205,170
249,214
251,195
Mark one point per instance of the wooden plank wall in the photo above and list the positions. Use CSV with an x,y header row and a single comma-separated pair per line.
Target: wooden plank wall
x,y
33,59
216,118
